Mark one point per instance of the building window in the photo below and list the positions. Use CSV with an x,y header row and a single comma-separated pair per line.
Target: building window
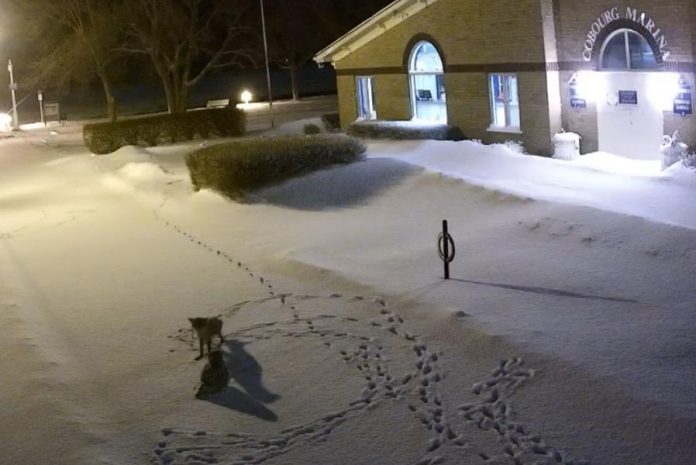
x,y
426,75
366,98
505,102
626,49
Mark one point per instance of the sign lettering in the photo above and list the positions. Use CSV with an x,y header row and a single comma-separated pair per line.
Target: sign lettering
x,y
631,14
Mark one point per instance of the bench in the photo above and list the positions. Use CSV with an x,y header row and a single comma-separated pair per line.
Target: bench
x,y
222,103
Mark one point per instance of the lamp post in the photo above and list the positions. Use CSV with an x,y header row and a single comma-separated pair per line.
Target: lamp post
x,y
43,119
13,87
268,68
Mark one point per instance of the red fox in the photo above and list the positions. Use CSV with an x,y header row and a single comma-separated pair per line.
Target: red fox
x,y
206,328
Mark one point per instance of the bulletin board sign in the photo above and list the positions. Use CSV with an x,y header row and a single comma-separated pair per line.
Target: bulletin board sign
x,y
51,110
628,97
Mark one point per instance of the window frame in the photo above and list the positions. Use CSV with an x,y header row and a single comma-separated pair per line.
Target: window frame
x,y
627,51
370,96
508,128
438,75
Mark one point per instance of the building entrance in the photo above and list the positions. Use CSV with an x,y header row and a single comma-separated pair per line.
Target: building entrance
x,y
630,117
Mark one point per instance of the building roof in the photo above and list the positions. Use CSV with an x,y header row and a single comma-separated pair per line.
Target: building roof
x,y
387,18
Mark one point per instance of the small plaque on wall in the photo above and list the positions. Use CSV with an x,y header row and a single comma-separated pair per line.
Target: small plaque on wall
x,y
578,103
628,97
683,101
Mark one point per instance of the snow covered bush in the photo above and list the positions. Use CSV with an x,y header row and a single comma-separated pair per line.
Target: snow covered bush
x,y
103,138
237,166
404,130
311,129
515,146
672,150
689,160
332,121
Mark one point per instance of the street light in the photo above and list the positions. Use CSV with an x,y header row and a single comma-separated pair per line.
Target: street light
x,y
13,87
268,68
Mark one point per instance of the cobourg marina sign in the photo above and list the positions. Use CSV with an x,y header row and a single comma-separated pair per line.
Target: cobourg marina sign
x,y
631,14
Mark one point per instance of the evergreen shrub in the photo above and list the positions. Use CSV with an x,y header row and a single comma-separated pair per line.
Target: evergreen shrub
x,y
332,121
235,167
311,129
404,130
103,138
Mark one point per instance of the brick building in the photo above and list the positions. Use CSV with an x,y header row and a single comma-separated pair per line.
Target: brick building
x,y
618,73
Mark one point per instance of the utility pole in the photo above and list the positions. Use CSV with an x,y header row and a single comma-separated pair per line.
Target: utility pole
x,y
13,88
268,67
43,119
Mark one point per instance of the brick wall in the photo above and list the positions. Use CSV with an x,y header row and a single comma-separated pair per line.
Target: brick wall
x,y
472,33
468,32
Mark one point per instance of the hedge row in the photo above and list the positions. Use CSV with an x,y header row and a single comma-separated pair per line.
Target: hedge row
x,y
404,130
237,166
102,138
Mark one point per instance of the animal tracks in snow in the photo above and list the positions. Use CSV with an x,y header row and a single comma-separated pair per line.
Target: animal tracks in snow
x,y
392,366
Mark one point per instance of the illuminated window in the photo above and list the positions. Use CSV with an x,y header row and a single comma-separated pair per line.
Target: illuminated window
x,y
366,98
426,74
626,49
505,102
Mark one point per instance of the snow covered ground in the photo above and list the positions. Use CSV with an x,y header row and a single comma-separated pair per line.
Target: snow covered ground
x,y
565,336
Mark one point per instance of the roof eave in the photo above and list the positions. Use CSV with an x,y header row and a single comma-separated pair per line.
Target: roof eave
x,y
373,27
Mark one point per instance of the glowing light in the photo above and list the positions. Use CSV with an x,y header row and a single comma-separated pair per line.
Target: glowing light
x,y
246,97
5,122
664,87
589,85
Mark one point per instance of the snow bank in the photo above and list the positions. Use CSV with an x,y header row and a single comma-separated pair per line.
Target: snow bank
x,y
597,180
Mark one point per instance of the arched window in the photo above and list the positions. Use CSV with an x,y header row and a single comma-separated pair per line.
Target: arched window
x,y
426,74
626,49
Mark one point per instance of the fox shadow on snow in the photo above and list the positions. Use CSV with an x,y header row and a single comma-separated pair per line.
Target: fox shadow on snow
x,y
248,373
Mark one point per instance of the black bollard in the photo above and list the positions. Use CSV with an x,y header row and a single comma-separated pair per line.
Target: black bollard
x,y
446,249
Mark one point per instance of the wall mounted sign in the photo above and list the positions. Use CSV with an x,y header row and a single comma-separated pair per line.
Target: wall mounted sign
x,y
683,101
578,103
576,99
628,97
632,14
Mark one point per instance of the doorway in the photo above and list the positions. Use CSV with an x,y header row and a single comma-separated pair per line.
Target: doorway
x,y
630,119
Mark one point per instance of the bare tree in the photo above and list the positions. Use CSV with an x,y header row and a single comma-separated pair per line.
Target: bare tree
x,y
299,28
187,39
296,32
76,40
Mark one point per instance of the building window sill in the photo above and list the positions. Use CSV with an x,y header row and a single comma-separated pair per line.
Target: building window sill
x,y
505,129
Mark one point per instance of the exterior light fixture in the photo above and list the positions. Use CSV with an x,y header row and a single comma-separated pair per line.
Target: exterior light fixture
x,y
5,122
246,96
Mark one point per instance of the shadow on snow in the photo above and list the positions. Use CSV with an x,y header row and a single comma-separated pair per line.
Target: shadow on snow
x,y
338,187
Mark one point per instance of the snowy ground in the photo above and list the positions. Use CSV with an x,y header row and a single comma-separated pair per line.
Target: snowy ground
x,y
566,335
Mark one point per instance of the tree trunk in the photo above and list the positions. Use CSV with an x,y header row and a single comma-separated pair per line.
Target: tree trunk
x,y
293,83
181,99
110,100
176,92
168,93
